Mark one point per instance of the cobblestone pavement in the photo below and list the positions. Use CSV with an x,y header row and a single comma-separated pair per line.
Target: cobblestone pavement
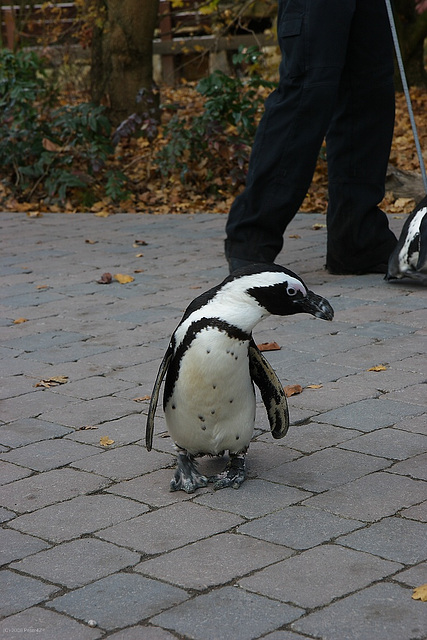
x,y
327,537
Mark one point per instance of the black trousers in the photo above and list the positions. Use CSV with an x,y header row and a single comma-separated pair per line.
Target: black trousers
x,y
336,80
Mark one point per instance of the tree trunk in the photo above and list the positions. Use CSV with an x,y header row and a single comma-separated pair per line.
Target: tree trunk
x,y
122,54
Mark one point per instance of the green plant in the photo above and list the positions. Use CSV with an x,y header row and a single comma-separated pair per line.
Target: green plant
x,y
45,146
219,139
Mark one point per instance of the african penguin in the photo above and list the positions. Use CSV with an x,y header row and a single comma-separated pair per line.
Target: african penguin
x,y
210,367
409,259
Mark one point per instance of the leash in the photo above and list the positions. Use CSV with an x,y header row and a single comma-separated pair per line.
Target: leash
x,y
406,91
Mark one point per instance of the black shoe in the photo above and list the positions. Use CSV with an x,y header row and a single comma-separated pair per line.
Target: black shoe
x,y
341,271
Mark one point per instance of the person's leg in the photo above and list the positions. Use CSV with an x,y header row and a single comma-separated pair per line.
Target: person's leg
x,y
358,147
313,37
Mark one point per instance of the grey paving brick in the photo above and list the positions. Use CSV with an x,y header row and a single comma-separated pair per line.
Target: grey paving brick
x,y
325,469
92,412
26,431
47,488
367,415
46,624
145,632
74,564
415,467
45,340
317,576
213,561
123,431
384,539
418,512
6,515
255,498
222,614
299,527
17,545
89,388
283,635
32,404
390,443
315,436
11,472
413,577
415,394
382,330
124,462
20,592
372,497
169,528
81,515
416,424
383,612
49,454
119,600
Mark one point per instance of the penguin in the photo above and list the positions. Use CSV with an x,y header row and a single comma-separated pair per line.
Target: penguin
x,y
409,258
212,364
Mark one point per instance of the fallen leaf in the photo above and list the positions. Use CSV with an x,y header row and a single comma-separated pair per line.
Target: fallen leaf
x,y
42,286
139,255
105,441
378,367
106,278
34,214
50,146
420,593
140,243
295,235
269,346
91,241
123,278
138,270
314,386
20,320
47,383
87,428
102,214
292,390
318,226
141,399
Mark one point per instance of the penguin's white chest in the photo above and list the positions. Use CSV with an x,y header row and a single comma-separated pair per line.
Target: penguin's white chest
x,y
212,407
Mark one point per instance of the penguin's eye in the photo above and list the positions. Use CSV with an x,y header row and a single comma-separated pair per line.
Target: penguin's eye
x,y
291,291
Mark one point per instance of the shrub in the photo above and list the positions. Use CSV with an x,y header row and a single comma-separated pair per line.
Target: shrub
x,y
47,146
218,141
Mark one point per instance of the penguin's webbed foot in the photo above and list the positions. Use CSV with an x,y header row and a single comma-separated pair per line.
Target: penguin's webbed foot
x,y
233,475
186,476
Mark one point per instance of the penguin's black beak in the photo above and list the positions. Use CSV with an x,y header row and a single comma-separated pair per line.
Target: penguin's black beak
x,y
316,305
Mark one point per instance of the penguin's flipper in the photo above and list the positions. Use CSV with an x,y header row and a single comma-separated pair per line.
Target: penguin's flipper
x,y
272,392
149,428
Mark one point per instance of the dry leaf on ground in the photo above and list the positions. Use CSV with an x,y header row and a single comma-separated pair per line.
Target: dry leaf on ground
x,y
141,399
378,367
20,320
292,390
47,383
105,441
88,427
314,386
420,593
123,278
269,346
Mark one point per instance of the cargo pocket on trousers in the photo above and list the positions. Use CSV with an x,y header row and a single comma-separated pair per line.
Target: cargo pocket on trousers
x,y
291,42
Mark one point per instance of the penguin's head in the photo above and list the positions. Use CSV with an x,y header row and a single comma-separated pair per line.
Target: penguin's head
x,y
281,291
